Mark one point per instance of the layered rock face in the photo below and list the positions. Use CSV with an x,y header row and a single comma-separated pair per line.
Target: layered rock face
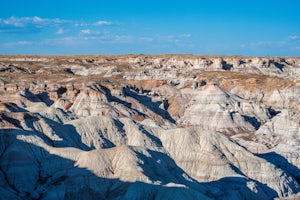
x,y
149,127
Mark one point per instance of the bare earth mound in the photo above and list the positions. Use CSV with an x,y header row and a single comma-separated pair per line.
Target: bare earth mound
x,y
149,127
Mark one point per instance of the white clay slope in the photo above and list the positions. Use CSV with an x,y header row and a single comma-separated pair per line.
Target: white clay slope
x,y
149,127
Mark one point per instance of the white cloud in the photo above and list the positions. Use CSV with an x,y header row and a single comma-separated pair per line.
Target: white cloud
x,y
268,43
23,42
64,41
286,45
81,24
86,31
294,37
29,24
102,23
36,24
184,35
35,21
243,46
18,43
122,38
175,38
288,41
98,23
60,31
90,32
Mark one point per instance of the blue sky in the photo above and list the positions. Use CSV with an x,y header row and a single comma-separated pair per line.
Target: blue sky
x,y
232,27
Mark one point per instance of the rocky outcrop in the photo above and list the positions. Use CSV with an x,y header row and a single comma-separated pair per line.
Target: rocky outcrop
x,y
149,127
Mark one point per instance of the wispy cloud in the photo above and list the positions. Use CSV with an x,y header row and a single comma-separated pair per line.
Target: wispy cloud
x,y
86,31
90,32
80,24
63,34
60,31
86,38
174,38
294,37
93,37
288,41
98,23
288,45
185,35
25,24
267,43
36,21
36,24
18,43
103,23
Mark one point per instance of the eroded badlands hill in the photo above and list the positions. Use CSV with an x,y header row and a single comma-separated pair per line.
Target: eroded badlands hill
x,y
149,127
